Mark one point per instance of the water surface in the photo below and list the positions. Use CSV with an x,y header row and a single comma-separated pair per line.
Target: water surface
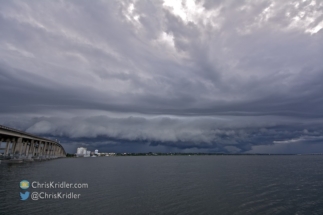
x,y
171,185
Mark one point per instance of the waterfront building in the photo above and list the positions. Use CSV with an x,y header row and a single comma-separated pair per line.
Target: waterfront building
x,y
81,152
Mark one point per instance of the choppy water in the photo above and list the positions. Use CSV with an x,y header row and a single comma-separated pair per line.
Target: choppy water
x,y
171,185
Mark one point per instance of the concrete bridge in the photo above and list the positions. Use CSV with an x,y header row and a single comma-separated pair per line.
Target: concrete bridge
x,y
18,146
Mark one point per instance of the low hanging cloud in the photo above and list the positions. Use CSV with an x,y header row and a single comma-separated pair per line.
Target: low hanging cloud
x,y
301,139
185,74
215,134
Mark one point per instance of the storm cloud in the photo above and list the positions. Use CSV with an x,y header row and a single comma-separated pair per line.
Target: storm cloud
x,y
217,76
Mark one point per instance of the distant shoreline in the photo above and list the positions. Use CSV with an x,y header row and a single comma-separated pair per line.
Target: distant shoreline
x,y
193,154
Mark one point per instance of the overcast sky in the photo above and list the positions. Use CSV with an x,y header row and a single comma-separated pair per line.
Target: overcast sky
x,y
165,76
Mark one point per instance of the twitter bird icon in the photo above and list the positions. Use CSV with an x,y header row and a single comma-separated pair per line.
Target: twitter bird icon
x,y
24,196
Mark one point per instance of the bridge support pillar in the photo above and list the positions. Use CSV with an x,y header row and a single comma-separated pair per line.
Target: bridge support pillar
x,y
51,151
56,151
47,150
13,149
27,149
33,148
22,149
37,150
7,147
41,149
16,150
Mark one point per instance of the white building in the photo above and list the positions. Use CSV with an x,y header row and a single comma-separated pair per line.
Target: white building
x,y
96,151
81,151
87,154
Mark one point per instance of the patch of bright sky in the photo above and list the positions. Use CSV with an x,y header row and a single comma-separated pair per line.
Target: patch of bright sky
x,y
168,39
190,11
165,42
261,18
130,14
306,17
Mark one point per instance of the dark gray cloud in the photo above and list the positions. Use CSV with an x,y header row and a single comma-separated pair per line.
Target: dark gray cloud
x,y
161,75
205,134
